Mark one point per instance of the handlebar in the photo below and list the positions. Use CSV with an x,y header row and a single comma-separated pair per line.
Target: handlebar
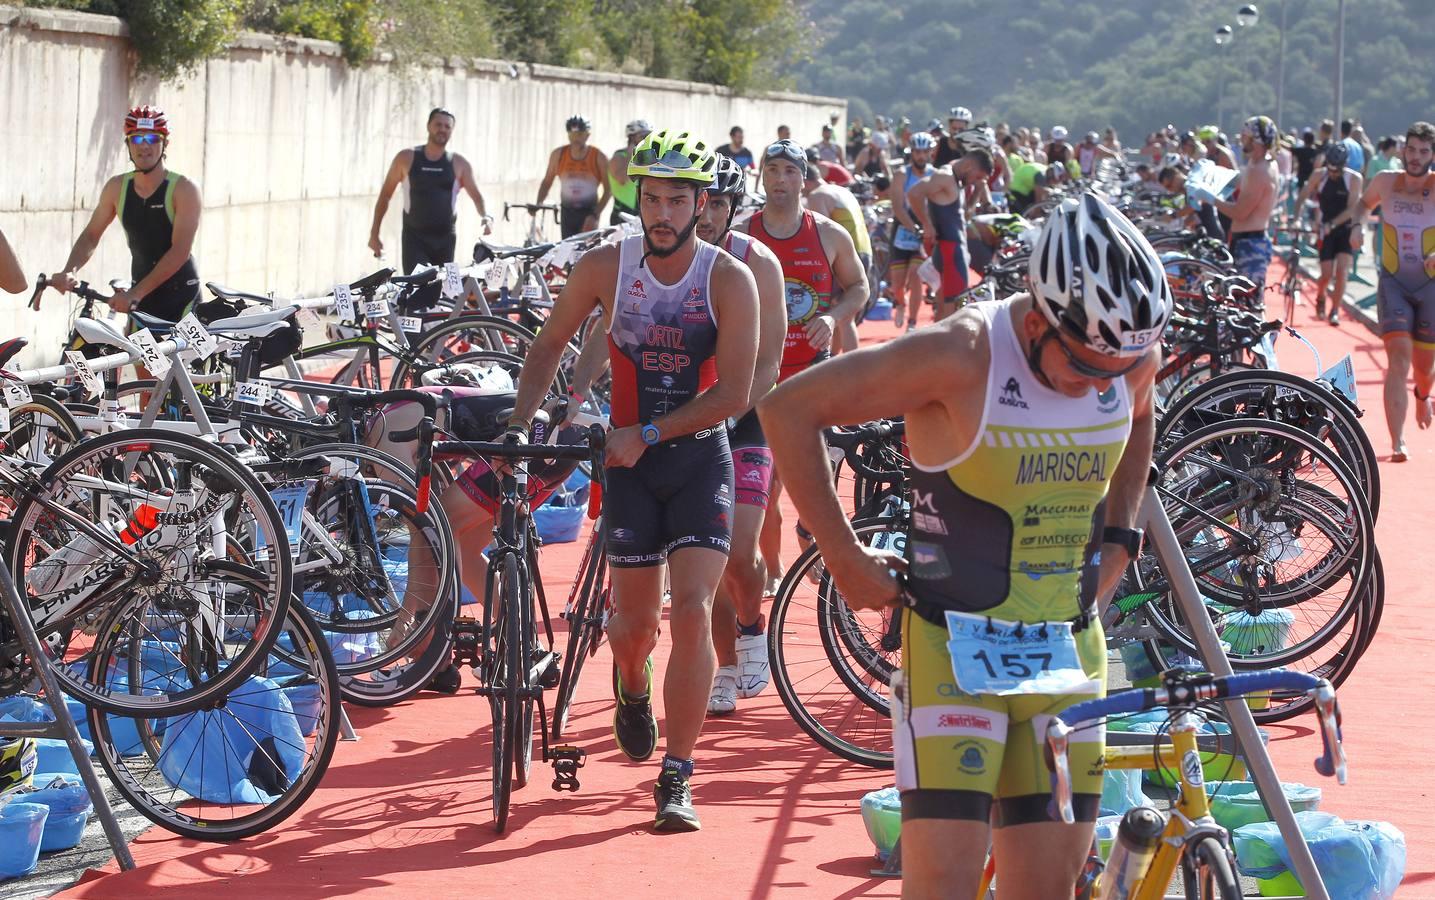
x,y
532,209
81,289
849,442
1184,691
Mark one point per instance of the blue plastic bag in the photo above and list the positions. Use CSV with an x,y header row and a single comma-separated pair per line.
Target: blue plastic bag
x,y
1356,860
248,752
1121,790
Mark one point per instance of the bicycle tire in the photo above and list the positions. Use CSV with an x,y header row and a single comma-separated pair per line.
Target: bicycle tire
x,y
41,429
1206,872
584,615
141,780
1352,561
473,332
802,660
1235,390
502,681
251,509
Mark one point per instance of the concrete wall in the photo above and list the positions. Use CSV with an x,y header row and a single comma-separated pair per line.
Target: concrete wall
x,y
289,145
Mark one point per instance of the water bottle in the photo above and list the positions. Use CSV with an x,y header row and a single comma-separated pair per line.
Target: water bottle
x,y
1131,853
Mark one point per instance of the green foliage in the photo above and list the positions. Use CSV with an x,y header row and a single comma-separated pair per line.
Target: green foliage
x,y
174,37
745,44
1133,64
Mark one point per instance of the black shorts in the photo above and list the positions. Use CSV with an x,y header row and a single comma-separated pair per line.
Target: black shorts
x,y
172,299
422,248
900,257
571,218
678,494
1335,242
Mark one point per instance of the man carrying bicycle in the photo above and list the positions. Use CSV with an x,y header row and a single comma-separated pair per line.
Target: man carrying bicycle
x,y
159,212
582,173
676,377
1030,426
742,657
432,178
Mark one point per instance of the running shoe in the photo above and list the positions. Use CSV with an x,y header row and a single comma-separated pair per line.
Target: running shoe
x,y
753,671
723,699
447,681
675,802
634,725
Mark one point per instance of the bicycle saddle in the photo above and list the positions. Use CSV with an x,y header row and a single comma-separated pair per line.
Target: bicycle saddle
x,y
254,325
103,334
158,327
484,251
370,283
223,292
9,348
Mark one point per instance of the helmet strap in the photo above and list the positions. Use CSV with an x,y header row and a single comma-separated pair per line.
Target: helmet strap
x,y
1033,355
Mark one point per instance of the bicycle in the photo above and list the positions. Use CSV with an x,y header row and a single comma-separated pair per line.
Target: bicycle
x,y
535,219
514,670
1190,839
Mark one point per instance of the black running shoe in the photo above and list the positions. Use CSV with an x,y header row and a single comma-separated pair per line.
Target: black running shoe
x,y
675,803
634,725
447,681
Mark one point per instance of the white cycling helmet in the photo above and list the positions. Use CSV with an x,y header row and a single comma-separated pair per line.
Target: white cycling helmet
x,y
1097,278
961,112
1173,161
1058,132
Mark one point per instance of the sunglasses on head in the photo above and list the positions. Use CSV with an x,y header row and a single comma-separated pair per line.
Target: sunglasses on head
x,y
1086,369
673,159
786,150
146,137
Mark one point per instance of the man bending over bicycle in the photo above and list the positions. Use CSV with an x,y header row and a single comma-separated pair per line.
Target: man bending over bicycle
x,y
1030,426
676,377
159,211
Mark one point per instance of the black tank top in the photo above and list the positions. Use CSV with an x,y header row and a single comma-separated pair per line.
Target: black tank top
x,y
1334,196
432,190
149,230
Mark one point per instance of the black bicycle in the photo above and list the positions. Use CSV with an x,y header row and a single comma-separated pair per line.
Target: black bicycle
x,y
514,669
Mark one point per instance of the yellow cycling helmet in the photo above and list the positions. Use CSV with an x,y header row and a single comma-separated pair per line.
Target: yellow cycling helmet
x,y
668,154
18,758
1207,133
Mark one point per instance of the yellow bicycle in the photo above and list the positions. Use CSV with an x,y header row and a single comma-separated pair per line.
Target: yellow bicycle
x,y
1188,838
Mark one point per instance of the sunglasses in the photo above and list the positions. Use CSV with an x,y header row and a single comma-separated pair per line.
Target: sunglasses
x,y
786,150
673,159
1086,369
139,140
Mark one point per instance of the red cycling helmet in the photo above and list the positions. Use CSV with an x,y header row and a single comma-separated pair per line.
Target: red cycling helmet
x,y
146,118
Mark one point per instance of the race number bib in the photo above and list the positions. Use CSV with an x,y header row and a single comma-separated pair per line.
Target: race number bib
x,y
376,307
452,281
290,500
992,656
156,362
255,393
201,343
344,302
87,376
15,391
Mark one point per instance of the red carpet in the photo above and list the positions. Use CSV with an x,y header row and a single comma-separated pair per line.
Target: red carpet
x,y
405,811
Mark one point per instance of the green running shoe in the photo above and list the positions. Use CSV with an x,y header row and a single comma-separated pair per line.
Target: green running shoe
x,y
634,725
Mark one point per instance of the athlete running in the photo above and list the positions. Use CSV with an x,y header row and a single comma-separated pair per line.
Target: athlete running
x,y
1250,209
1030,424
938,205
432,178
1406,286
737,609
838,204
582,176
907,253
682,341
159,212
1338,188
825,286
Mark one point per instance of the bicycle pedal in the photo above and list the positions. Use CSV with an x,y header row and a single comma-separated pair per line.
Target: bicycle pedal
x,y
467,641
567,760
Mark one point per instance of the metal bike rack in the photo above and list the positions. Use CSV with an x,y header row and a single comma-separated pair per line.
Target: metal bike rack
x,y
64,725
1167,547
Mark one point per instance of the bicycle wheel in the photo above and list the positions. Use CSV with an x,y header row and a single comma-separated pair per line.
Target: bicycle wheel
x,y
586,613
832,665
1206,872
465,334
527,688
1280,396
1279,531
501,677
122,529
41,429
245,763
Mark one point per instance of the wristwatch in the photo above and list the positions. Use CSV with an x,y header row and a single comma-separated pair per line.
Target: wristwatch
x,y
1126,538
650,434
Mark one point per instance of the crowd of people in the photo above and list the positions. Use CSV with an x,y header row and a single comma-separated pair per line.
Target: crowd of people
x,y
733,344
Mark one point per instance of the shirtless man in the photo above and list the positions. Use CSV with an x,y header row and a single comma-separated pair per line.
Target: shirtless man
x,y
1250,211
1406,287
